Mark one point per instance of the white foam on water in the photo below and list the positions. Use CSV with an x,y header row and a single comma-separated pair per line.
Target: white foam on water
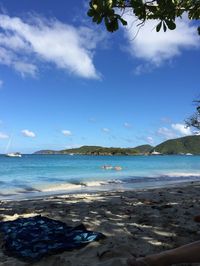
x,y
181,174
78,186
60,187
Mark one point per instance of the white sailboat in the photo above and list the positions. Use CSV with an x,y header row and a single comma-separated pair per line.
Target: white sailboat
x,y
14,154
155,153
11,154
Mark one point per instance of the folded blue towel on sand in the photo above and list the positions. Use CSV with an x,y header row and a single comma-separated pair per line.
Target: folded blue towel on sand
x,y
32,238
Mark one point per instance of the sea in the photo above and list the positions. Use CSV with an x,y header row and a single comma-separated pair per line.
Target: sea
x,y
43,175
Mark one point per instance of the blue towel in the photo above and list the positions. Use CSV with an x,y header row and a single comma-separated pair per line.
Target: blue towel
x,y
32,238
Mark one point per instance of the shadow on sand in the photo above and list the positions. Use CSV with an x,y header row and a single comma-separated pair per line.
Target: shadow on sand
x,y
135,223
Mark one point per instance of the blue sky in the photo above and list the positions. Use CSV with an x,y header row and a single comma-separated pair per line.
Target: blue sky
x,y
64,82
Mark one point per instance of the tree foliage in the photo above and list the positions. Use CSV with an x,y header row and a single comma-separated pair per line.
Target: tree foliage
x,y
194,120
165,11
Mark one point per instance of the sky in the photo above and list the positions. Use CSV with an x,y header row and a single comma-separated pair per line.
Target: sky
x,y
66,82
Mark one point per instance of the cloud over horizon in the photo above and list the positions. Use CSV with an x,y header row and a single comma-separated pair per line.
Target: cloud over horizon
x,y
166,133
155,48
105,130
28,133
25,44
66,133
182,129
150,140
175,131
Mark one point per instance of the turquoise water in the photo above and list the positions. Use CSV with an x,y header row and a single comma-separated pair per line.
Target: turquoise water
x,y
34,175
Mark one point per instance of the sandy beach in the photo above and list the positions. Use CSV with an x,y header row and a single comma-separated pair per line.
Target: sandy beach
x,y
136,223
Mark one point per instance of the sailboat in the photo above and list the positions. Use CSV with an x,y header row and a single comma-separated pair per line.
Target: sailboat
x,y
11,154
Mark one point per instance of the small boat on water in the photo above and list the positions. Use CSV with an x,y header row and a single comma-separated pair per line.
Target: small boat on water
x,y
13,154
155,153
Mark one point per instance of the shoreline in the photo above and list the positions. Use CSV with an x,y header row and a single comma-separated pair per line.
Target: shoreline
x,y
135,222
112,185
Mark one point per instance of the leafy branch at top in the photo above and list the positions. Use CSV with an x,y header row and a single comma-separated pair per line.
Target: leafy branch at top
x,y
165,11
194,120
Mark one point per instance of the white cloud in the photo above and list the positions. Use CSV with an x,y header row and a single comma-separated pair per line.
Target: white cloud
x,y
155,48
105,129
143,68
3,136
176,130
25,68
28,133
166,133
1,83
127,125
9,58
150,140
197,132
23,44
67,133
182,129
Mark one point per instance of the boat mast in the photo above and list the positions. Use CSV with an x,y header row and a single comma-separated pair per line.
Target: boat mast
x,y
8,144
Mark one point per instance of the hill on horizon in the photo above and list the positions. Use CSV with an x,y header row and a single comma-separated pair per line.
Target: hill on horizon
x,y
183,145
98,150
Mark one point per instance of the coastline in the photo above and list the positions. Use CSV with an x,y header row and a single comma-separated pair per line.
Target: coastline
x,y
136,222
111,185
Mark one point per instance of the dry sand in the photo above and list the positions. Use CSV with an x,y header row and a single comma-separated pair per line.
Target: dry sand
x,y
135,222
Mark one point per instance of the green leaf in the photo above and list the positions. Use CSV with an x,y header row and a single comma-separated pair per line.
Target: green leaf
x,y
99,20
107,23
124,22
170,24
158,27
95,18
164,26
90,13
114,25
91,4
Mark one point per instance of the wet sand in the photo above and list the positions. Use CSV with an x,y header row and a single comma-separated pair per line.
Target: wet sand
x,y
136,223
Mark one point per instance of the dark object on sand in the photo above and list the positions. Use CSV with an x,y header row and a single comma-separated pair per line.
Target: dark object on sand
x,y
32,238
197,219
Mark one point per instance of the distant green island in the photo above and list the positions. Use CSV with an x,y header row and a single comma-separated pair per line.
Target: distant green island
x,y
185,145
